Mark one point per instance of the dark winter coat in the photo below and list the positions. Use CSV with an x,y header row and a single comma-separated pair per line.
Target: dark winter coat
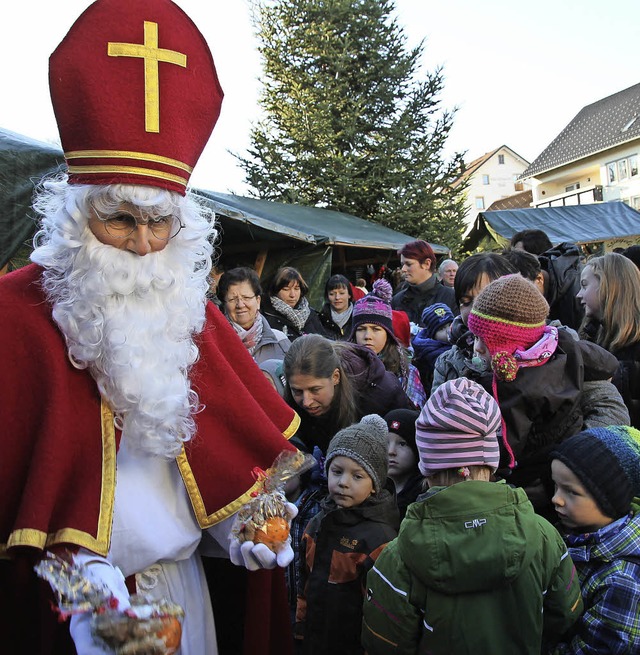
x,y
563,266
473,572
627,380
333,330
425,353
413,488
377,391
542,407
280,322
413,298
341,545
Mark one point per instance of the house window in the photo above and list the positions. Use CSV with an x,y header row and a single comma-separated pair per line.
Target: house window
x,y
623,170
479,202
485,179
500,159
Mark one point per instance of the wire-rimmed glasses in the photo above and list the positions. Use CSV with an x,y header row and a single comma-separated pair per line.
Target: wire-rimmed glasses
x,y
122,225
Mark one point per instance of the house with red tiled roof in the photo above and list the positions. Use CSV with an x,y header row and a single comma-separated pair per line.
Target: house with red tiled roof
x,y
594,158
491,177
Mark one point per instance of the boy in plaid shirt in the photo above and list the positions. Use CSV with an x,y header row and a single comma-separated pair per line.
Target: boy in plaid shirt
x,y
597,479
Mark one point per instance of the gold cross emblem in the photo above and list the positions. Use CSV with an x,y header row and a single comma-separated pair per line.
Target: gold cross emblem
x,y
151,54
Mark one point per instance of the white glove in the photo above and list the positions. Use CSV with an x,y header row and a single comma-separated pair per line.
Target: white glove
x,y
259,556
101,571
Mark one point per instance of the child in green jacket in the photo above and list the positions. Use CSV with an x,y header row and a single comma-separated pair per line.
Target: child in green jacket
x,y
473,569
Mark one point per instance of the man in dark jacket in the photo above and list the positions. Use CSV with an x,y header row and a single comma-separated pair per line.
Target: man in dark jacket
x,y
561,267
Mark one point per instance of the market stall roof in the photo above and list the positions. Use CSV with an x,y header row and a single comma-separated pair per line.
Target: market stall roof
x,y
310,224
576,223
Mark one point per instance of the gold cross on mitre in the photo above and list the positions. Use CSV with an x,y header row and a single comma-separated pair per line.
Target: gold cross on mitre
x,y
151,54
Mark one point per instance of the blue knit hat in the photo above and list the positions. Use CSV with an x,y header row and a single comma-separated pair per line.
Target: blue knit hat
x,y
607,462
435,317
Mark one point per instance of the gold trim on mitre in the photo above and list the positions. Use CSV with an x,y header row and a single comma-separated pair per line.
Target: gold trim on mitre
x,y
147,172
127,154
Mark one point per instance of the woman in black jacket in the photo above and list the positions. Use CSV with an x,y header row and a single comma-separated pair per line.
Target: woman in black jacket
x,y
336,313
286,307
333,384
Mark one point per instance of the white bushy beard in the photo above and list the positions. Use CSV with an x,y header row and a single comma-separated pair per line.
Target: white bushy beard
x,y
131,321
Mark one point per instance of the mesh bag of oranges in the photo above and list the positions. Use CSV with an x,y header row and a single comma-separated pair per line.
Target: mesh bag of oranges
x,y
265,519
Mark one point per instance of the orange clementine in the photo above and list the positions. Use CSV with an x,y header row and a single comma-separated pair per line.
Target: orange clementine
x,y
170,633
275,531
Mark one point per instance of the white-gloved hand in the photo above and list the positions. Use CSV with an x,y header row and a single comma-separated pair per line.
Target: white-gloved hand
x,y
259,556
83,639
102,572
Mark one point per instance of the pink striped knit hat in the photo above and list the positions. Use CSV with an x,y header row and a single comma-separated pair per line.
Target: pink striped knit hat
x,y
458,427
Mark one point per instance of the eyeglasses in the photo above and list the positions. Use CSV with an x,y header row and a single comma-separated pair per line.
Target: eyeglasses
x,y
239,300
123,225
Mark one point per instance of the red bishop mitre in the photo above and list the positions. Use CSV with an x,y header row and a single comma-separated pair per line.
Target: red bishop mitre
x,y
135,94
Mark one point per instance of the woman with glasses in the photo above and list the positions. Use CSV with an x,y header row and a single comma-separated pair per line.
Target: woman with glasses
x,y
239,292
286,306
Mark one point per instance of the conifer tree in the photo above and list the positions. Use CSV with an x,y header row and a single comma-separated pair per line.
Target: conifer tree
x,y
351,121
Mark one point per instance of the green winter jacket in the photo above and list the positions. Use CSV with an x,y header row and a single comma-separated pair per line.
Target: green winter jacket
x,y
473,570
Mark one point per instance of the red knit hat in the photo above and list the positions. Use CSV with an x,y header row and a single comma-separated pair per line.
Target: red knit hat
x,y
135,94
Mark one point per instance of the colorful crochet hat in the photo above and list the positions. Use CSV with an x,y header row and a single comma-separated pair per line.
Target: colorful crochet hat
x,y
366,444
458,427
607,462
509,314
135,94
374,308
436,316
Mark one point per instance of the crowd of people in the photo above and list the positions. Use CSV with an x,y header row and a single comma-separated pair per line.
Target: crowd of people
x,y
506,387
471,433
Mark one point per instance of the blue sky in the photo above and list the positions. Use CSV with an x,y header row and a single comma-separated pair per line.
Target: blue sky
x,y
518,73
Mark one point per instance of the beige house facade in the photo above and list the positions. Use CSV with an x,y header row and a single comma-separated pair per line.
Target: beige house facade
x,y
596,158
492,177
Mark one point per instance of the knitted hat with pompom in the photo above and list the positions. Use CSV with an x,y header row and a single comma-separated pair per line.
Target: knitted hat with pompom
x,y
509,314
375,308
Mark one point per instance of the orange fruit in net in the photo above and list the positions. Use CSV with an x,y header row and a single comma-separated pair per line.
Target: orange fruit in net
x,y
170,633
274,532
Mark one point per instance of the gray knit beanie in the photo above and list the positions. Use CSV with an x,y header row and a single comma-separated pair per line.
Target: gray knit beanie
x,y
365,443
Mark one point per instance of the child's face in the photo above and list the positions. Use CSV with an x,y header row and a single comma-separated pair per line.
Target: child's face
x,y
443,333
402,460
349,484
466,300
589,293
372,336
575,506
480,350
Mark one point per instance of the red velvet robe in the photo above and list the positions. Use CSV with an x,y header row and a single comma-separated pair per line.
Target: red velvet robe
x,y
58,445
